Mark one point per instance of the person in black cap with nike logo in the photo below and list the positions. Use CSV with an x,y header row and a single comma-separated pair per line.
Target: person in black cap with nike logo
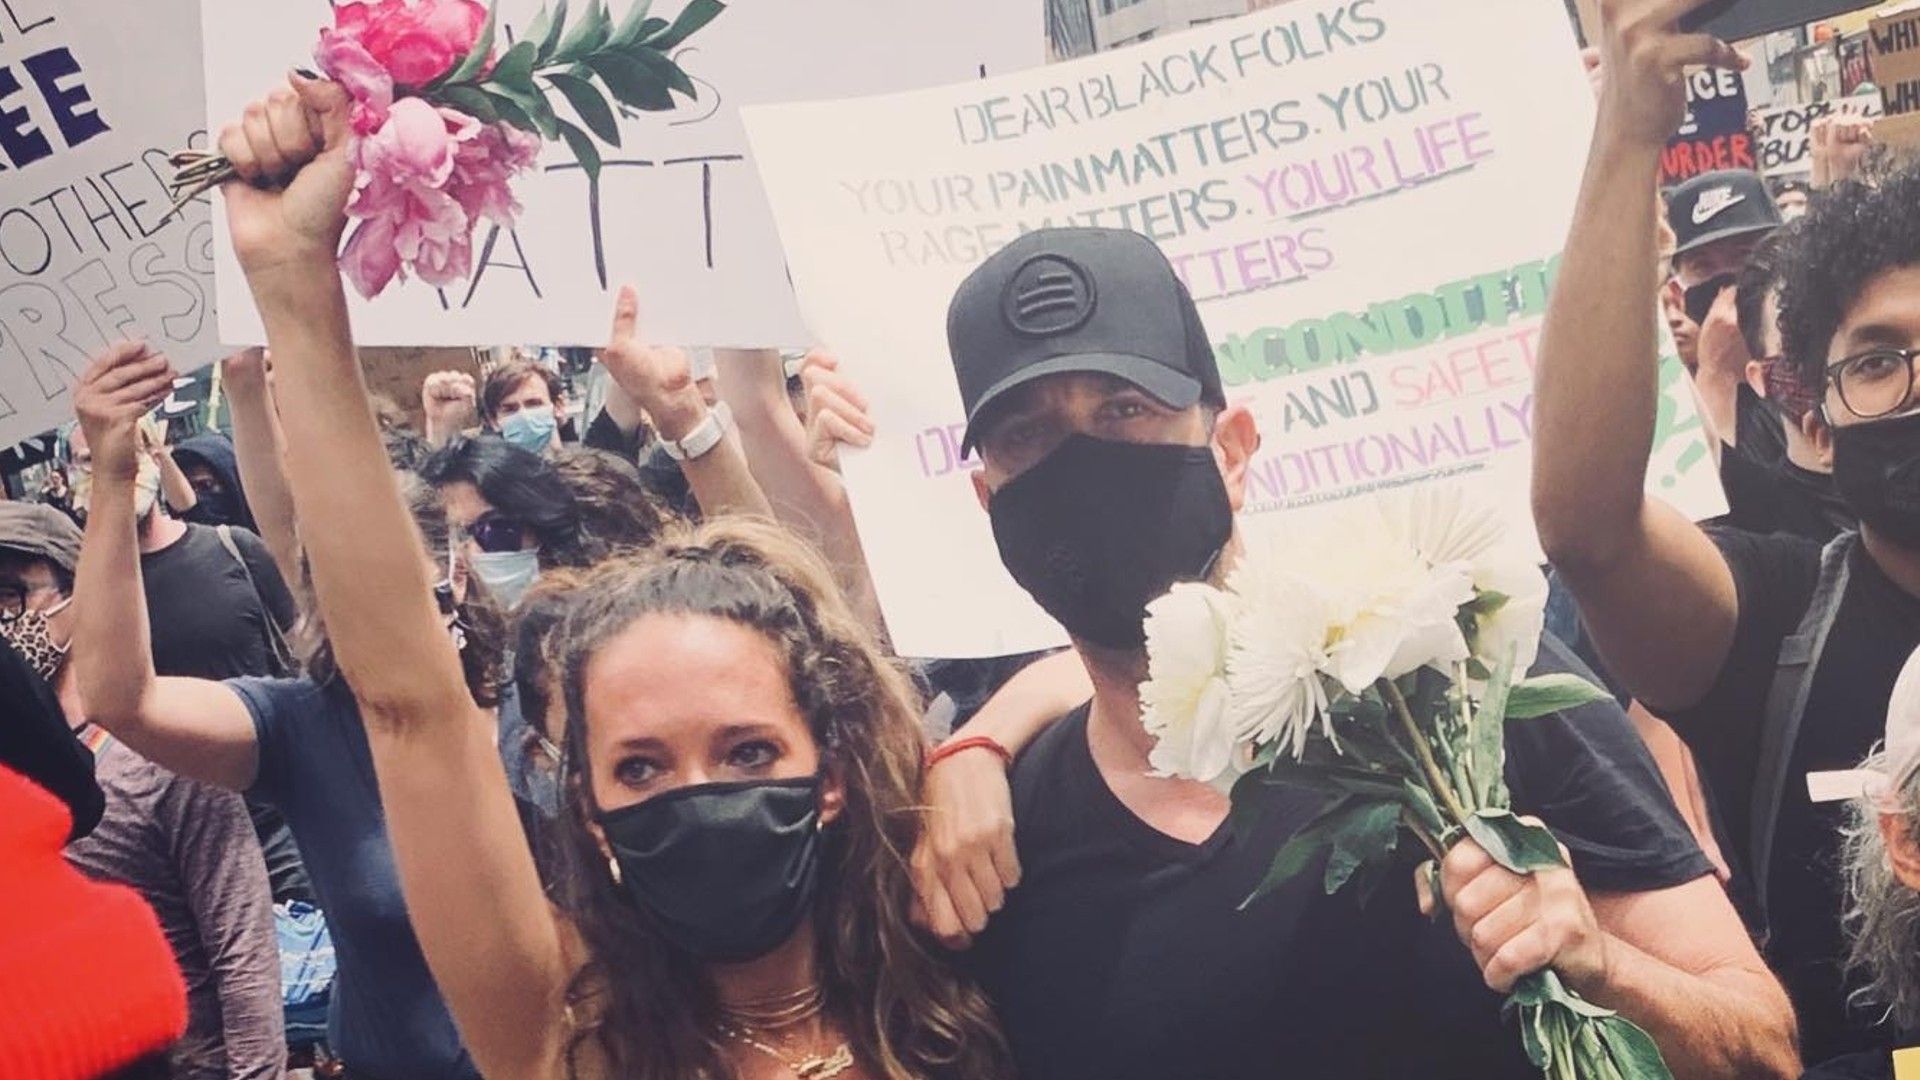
x,y
1113,467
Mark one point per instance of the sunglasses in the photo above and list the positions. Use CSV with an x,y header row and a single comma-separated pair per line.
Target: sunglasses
x,y
1700,299
497,535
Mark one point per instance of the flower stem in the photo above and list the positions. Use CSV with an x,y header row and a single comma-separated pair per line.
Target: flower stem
x,y
1427,839
1435,778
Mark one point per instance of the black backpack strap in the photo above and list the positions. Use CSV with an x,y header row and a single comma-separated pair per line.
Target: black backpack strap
x,y
1787,703
283,660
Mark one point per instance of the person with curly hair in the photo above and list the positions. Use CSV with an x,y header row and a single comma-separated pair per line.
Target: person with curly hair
x,y
1772,656
741,761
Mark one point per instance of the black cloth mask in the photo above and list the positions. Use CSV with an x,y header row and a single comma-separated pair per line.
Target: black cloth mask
x,y
1876,467
725,871
1099,529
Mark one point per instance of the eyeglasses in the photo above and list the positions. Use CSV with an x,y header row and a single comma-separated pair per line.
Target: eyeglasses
x,y
497,535
1700,299
1875,383
13,600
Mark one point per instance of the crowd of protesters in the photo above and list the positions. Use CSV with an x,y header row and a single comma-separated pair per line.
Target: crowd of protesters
x,y
583,736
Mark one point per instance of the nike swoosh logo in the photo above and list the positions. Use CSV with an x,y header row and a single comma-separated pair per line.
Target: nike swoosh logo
x,y
1704,212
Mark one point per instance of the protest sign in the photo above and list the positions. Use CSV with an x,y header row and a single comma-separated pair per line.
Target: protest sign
x,y
1738,20
1894,41
1786,145
678,209
1367,199
1714,134
85,259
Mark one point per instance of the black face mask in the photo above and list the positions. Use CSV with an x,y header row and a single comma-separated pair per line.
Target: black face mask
x,y
1100,529
1876,467
217,506
725,871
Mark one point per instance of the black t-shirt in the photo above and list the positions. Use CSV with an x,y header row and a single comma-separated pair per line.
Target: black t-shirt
x,y
1123,953
1768,493
1875,630
207,621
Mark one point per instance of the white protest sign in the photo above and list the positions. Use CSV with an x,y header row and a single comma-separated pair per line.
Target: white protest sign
x,y
1366,197
678,210
1786,146
84,257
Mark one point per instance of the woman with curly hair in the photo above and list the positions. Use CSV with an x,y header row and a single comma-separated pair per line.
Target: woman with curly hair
x,y
741,763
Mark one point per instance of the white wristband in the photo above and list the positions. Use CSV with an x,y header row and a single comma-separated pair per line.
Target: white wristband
x,y
703,438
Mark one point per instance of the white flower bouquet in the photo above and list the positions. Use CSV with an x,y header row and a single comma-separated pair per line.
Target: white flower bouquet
x,y
1370,653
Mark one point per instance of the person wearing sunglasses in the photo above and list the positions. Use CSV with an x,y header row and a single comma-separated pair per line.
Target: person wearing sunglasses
x,y
1773,656
511,510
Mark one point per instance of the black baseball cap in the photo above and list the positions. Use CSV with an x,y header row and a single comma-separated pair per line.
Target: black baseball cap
x,y
1078,300
1716,206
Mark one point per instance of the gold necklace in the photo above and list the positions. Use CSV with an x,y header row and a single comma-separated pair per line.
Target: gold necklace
x,y
812,1067
772,1014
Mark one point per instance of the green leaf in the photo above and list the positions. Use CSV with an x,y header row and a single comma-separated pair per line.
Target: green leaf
x,y
1632,1050
1546,694
476,57
631,82
1514,844
633,25
534,105
694,16
1489,602
550,40
1368,839
587,36
1534,1036
668,71
469,100
536,31
514,71
587,154
1489,736
510,111
586,101
1334,780
1298,853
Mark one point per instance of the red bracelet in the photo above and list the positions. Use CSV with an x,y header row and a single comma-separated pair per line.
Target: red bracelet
x,y
972,742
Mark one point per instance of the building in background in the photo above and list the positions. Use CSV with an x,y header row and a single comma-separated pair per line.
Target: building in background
x,y
1079,27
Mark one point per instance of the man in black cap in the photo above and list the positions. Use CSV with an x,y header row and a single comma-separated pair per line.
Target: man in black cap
x,y
1718,218
1113,468
1772,657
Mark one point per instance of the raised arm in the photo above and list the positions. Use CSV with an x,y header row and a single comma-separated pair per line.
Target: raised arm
x,y
192,727
175,489
1597,390
257,446
806,497
471,888
660,379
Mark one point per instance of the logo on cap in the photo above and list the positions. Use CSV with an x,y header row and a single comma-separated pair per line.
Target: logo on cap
x,y
1049,295
1713,202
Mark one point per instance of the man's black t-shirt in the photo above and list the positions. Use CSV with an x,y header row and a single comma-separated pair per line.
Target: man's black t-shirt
x,y
207,621
1123,953
1875,630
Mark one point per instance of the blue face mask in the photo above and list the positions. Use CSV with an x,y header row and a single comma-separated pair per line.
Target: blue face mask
x,y
507,574
530,429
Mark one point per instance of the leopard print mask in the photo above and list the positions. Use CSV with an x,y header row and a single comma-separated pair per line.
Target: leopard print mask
x,y
32,638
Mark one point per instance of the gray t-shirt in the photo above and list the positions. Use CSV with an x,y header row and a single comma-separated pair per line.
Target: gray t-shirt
x,y
189,849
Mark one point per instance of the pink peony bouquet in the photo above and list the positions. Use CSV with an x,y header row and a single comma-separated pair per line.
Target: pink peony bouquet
x,y
443,121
